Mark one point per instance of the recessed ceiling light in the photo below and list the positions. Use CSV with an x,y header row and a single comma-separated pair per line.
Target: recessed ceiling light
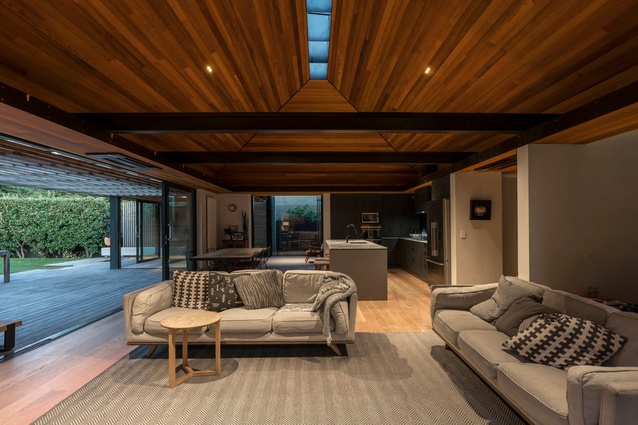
x,y
209,69
427,71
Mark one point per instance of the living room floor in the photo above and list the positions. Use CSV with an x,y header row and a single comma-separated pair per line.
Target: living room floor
x,y
41,378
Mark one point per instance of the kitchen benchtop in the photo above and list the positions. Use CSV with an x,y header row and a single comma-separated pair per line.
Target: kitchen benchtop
x,y
405,239
352,244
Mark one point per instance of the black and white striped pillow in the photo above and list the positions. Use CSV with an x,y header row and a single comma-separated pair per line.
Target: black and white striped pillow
x,y
559,340
190,289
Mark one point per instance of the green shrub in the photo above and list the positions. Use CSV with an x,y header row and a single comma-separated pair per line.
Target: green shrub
x,y
68,227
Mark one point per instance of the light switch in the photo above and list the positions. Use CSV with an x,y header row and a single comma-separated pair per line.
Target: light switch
x,y
463,234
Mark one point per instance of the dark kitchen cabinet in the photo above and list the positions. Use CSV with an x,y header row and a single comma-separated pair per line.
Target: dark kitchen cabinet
x,y
412,256
393,251
398,217
421,196
347,209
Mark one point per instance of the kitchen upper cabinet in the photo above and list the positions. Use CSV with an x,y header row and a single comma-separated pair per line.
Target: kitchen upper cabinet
x,y
421,196
347,208
398,217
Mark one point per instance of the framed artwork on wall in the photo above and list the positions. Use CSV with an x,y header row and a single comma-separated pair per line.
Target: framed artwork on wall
x,y
480,209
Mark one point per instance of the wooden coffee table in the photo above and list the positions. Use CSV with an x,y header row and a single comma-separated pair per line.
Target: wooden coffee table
x,y
184,322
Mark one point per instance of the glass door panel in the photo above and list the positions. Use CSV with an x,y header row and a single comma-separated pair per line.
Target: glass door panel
x,y
148,231
179,230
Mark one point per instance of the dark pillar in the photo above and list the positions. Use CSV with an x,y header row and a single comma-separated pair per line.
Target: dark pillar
x,y
116,234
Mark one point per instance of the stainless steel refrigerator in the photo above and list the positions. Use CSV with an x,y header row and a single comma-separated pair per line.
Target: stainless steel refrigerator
x,y
438,228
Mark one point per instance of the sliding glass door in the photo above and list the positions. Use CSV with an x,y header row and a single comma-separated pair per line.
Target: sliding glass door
x,y
178,229
148,231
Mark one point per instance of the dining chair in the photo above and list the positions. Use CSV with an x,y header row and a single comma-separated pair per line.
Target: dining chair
x,y
263,258
191,265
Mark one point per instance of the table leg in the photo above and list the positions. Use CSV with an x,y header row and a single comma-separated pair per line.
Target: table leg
x,y
218,361
185,349
171,358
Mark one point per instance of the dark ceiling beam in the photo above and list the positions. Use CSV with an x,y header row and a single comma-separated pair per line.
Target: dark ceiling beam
x,y
313,157
310,122
309,189
611,102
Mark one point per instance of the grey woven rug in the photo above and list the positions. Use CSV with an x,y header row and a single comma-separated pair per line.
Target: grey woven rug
x,y
393,378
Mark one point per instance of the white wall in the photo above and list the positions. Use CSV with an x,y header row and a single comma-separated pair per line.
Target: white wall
x,y
510,223
583,216
226,217
205,214
479,257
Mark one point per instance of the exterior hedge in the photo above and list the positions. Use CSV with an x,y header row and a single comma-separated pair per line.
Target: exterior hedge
x,y
64,227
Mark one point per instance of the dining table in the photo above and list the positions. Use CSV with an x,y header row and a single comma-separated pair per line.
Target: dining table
x,y
227,258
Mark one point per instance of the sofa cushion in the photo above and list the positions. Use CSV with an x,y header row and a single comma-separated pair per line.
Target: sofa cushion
x,y
538,391
242,320
152,324
296,319
526,307
223,293
559,340
259,290
508,291
576,306
190,289
302,286
485,350
150,301
448,323
625,324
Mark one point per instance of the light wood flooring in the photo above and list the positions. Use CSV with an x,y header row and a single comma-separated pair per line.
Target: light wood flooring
x,y
34,382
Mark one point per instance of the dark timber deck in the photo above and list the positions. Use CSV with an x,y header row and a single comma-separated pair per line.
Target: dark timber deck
x,y
49,302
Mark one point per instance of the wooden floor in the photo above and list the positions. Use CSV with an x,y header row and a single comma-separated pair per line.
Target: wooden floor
x,y
34,382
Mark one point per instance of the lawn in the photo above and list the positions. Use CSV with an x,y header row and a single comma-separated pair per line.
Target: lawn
x,y
26,264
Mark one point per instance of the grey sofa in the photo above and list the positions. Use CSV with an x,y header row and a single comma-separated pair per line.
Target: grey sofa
x,y
542,394
145,308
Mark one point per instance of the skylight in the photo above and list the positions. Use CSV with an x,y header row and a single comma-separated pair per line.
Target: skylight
x,y
319,15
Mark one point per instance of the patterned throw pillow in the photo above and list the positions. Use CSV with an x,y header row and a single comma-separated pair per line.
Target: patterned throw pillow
x,y
223,294
559,340
190,289
260,290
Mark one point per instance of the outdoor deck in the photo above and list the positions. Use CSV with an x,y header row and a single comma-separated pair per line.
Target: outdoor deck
x,y
53,301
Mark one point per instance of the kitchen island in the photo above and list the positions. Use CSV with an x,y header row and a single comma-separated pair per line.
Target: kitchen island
x,y
364,261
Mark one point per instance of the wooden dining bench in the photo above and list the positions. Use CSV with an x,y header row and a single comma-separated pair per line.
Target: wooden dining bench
x,y
9,329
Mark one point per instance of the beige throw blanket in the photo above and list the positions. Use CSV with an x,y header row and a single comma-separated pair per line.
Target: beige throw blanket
x,y
335,287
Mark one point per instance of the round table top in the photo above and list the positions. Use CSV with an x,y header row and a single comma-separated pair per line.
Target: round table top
x,y
191,319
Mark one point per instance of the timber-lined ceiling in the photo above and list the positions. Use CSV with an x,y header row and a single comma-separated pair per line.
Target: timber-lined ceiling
x,y
69,70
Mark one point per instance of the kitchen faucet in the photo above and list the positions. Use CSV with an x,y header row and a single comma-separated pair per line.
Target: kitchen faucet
x,y
348,233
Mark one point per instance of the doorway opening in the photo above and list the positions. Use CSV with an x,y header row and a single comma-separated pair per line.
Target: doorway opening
x,y
288,224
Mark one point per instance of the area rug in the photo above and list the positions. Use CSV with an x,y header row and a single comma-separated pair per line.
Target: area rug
x,y
392,378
